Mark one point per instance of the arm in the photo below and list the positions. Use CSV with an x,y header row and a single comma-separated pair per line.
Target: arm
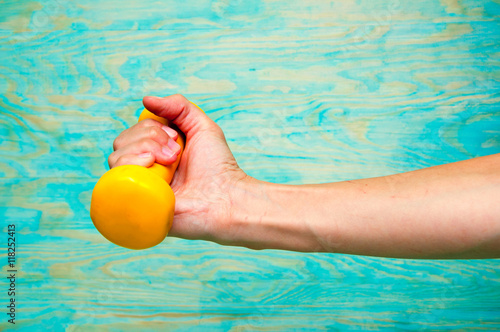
x,y
449,211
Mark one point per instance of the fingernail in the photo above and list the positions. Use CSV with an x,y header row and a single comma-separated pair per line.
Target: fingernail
x,y
170,132
172,145
167,152
145,155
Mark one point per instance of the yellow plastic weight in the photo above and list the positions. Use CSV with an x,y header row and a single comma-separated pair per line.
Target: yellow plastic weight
x,y
133,206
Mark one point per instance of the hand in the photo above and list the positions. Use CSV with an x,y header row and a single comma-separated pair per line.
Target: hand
x,y
207,173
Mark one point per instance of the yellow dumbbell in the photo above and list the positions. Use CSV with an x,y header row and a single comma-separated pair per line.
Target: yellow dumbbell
x,y
133,206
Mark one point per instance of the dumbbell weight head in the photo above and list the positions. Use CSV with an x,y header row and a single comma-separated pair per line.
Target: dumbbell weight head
x,y
132,207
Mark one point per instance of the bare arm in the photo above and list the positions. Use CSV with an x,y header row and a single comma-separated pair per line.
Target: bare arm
x,y
448,211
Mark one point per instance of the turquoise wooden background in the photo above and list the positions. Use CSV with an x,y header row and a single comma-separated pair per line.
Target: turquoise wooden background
x,y
306,92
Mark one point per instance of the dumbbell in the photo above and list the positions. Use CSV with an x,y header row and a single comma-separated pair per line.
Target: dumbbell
x,y
133,206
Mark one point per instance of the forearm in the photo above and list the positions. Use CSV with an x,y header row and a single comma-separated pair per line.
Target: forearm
x,y
449,211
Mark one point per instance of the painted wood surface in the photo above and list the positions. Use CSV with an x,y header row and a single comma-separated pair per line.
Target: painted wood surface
x,y
305,91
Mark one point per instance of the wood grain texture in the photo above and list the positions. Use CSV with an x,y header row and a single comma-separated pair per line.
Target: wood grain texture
x,y
305,91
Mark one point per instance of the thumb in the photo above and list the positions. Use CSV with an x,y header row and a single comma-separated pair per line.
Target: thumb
x,y
180,111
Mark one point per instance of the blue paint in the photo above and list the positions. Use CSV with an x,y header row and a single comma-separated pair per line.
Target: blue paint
x,y
306,92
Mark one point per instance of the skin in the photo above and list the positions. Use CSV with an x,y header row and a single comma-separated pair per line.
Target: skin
x,y
447,211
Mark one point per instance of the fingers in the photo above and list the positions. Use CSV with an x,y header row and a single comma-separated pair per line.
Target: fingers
x,y
146,129
181,112
163,154
145,143
144,159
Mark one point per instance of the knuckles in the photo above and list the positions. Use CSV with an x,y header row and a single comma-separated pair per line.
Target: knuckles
x,y
155,133
180,98
111,160
117,142
124,160
148,145
146,123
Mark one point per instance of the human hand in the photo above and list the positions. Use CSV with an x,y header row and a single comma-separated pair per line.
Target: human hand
x,y
207,173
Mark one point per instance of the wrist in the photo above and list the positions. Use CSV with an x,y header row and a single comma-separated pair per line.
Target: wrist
x,y
265,215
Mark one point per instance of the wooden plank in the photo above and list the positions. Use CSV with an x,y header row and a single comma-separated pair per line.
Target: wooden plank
x,y
305,91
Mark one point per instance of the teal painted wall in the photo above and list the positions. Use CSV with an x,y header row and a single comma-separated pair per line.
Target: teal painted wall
x,y
305,91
